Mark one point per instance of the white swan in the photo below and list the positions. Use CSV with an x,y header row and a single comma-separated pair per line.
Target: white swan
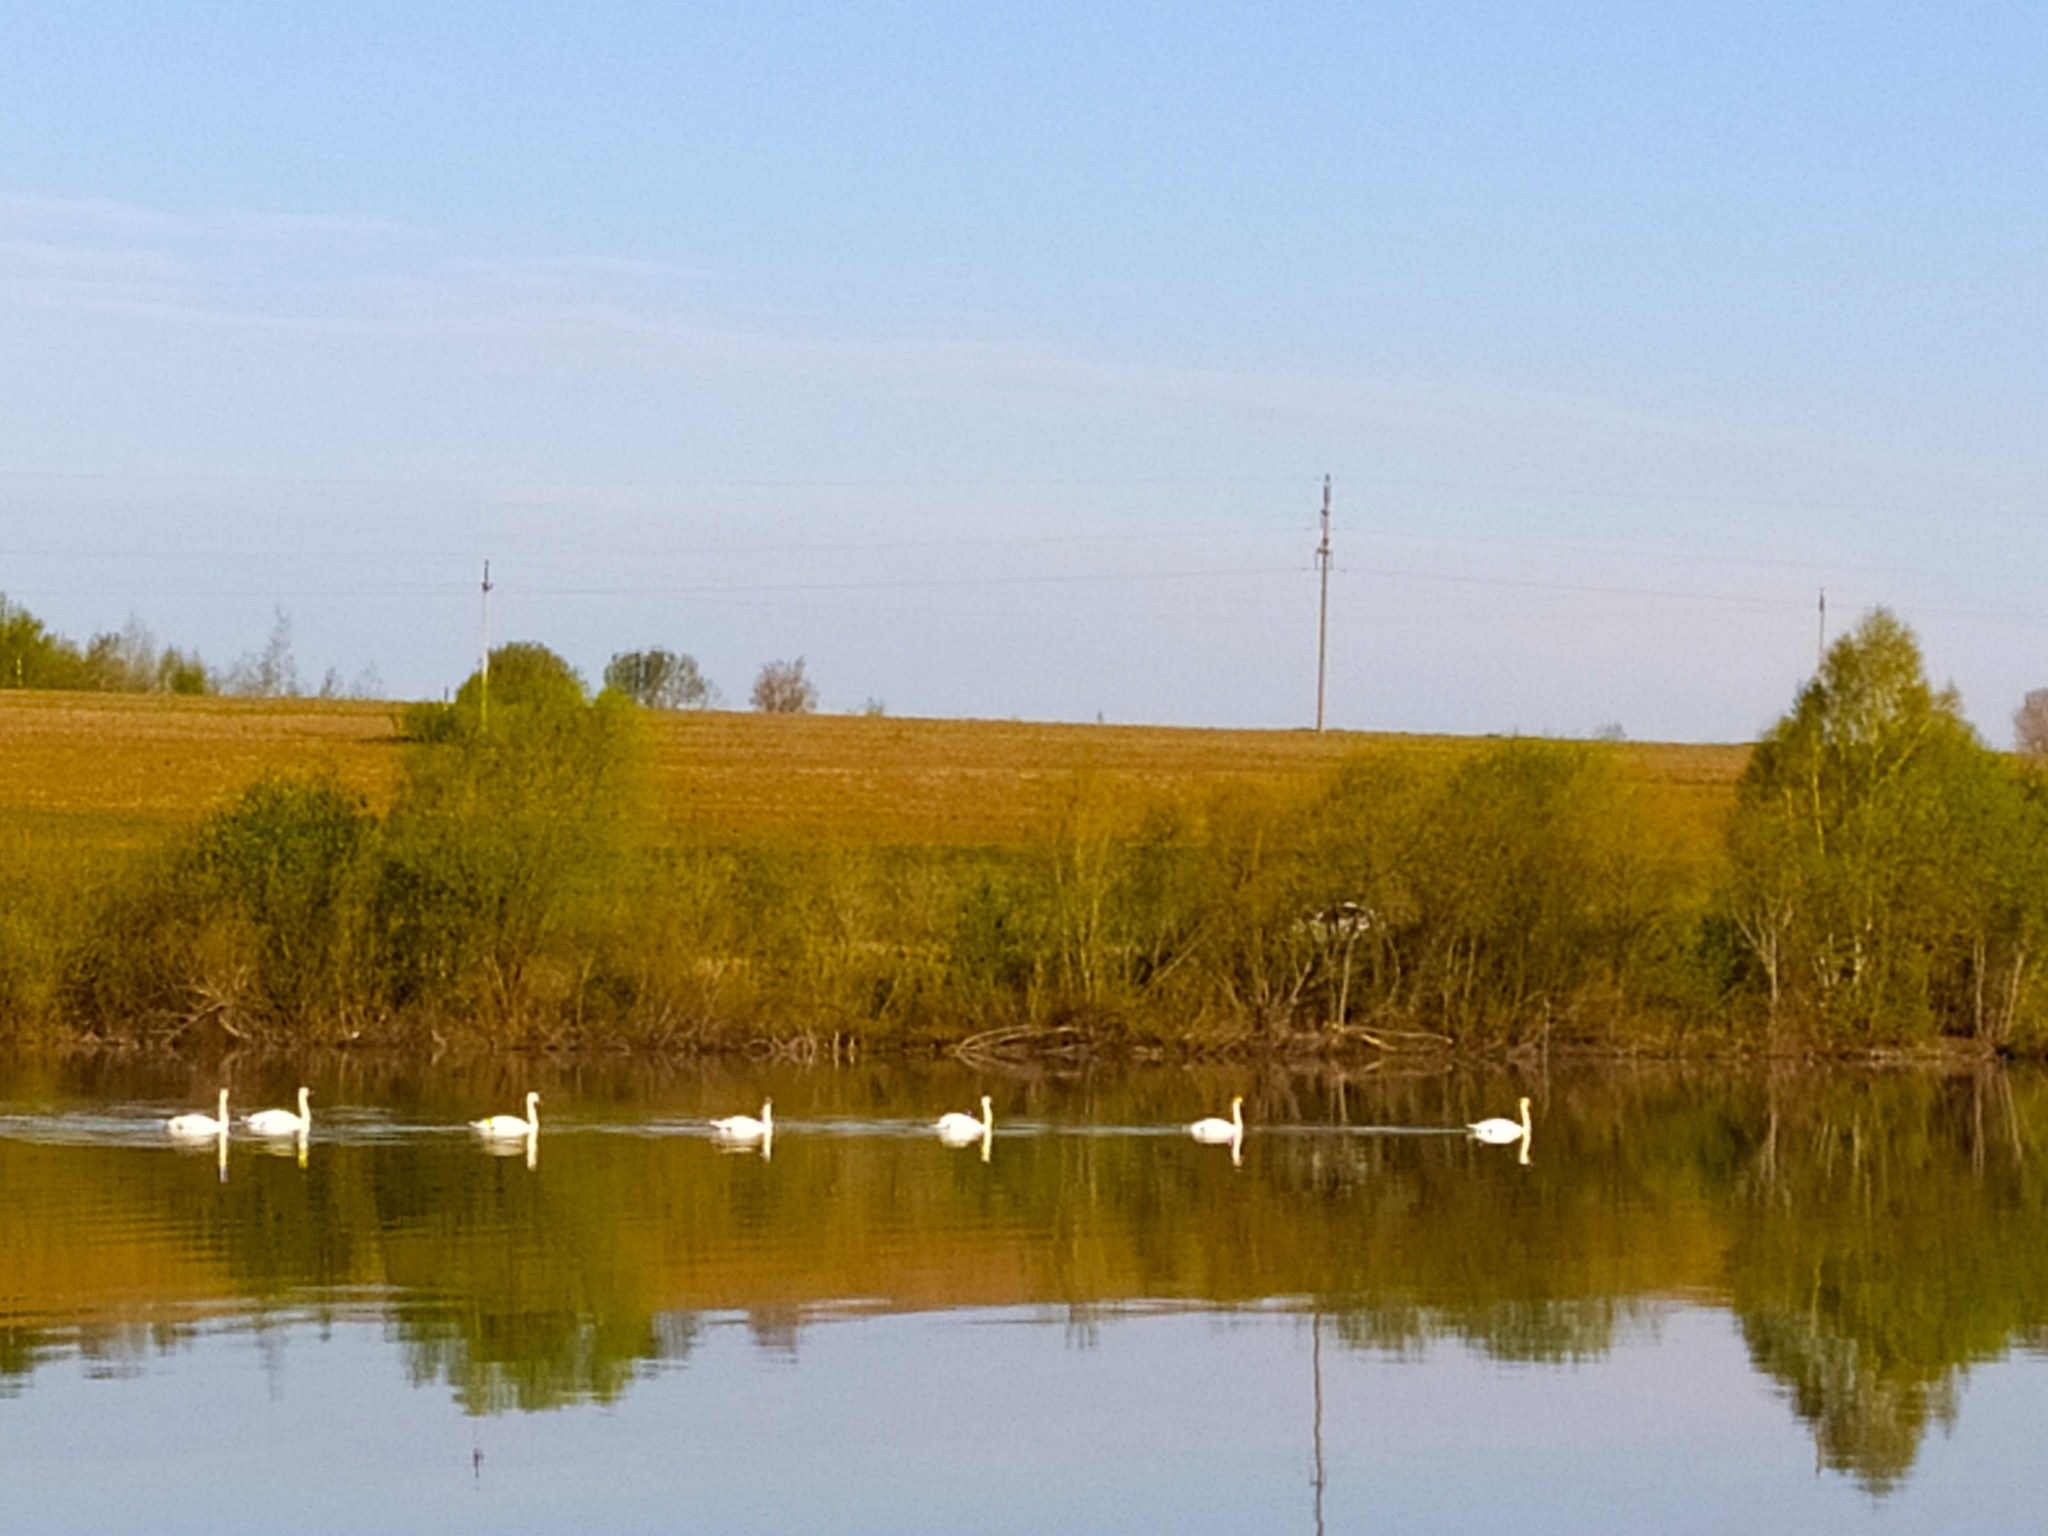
x,y
746,1127
1498,1132
958,1130
197,1126
282,1122
1217,1131
511,1125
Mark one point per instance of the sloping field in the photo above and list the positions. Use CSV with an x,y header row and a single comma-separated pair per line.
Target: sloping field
x,y
92,771
96,772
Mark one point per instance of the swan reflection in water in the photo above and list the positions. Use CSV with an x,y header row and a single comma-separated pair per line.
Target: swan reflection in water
x,y
512,1146
294,1147
199,1146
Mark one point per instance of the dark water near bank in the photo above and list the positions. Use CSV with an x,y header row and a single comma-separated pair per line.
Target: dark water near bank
x,y
1706,1302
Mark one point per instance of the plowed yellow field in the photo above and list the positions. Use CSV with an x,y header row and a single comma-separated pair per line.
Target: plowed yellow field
x,y
97,772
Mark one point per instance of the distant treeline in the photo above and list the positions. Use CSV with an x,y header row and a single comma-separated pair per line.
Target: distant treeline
x,y
1882,882
130,660
127,661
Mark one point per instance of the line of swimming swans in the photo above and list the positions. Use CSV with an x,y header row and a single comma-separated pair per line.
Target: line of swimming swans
x,y
285,1122
954,1128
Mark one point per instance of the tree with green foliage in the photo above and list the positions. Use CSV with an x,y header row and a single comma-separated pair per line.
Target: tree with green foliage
x,y
31,656
1525,884
520,676
1884,865
505,839
659,679
131,662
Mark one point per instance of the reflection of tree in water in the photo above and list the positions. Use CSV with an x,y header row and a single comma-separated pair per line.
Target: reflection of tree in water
x,y
518,1291
1885,1241
1873,1234
775,1327
1867,1419
1083,1326
110,1351
533,1361
1557,1331
22,1349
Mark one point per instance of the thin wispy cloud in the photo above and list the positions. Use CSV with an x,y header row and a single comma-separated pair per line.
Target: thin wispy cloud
x,y
45,256
79,213
110,215
371,285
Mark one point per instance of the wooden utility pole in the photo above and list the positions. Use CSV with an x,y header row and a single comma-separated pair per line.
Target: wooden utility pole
x,y
1323,616
1821,655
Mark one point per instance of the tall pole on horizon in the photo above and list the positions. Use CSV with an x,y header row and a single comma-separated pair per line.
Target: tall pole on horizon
x,y
1323,615
1821,654
483,696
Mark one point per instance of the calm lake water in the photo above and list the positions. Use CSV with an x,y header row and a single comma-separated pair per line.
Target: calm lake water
x,y
1706,1302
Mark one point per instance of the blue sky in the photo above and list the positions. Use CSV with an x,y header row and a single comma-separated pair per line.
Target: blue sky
x,y
992,358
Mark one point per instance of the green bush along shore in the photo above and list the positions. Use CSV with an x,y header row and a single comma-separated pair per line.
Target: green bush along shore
x,y
1882,883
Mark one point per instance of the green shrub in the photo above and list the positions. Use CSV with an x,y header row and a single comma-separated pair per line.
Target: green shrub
x,y
286,861
500,851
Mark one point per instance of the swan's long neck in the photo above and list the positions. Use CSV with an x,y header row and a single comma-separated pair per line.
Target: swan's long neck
x,y
988,1116
533,1111
767,1115
1525,1122
223,1115
305,1113
1237,1116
